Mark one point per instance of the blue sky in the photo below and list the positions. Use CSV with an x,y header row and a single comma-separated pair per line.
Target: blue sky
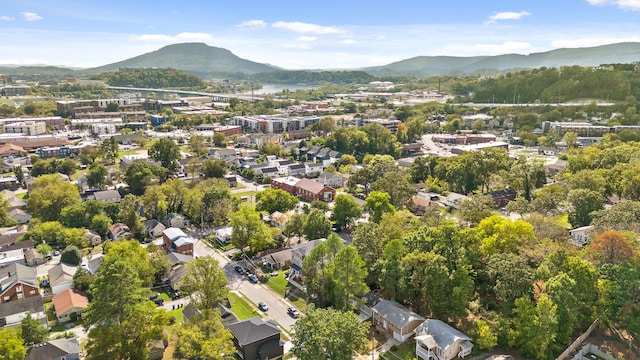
x,y
304,34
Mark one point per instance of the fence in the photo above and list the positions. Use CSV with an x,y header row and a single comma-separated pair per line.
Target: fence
x,y
574,346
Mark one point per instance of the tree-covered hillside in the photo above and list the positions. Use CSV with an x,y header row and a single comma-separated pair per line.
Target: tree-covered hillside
x,y
559,85
312,77
151,78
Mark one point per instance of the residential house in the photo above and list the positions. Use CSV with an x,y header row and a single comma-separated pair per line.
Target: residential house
x,y
17,282
222,154
331,179
61,278
298,253
176,220
12,255
257,339
119,231
435,340
19,295
106,196
223,234
278,219
19,215
69,305
58,349
311,190
94,263
296,169
93,237
175,240
454,200
556,167
279,260
153,228
176,272
14,202
232,180
502,197
395,320
313,169
32,257
580,236
11,150
420,204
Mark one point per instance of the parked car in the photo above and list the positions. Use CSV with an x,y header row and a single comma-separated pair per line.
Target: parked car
x,y
293,312
263,306
239,269
56,253
159,301
253,278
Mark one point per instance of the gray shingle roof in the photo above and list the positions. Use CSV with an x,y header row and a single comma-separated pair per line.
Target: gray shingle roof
x,y
443,334
398,315
17,273
252,330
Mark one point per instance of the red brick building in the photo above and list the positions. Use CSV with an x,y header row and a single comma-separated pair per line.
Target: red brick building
x,y
175,240
18,282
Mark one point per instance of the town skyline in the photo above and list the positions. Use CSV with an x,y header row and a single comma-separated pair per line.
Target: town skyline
x,y
331,35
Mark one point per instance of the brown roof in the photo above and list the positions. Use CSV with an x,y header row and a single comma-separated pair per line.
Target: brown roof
x,y
421,201
310,185
11,149
69,299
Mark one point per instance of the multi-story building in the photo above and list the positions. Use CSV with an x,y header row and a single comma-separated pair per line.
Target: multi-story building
x,y
26,127
272,124
53,122
389,124
16,90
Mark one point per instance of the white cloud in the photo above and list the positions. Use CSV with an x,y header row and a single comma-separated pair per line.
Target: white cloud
x,y
507,15
588,42
306,28
296,46
30,16
624,4
6,18
253,24
507,47
306,38
184,36
348,42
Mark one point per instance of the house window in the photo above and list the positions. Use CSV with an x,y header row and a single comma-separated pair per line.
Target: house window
x,y
32,292
7,298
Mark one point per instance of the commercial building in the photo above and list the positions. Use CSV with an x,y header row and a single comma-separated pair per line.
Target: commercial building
x,y
272,124
26,127
391,125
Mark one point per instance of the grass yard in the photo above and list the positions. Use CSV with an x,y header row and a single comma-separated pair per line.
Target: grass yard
x,y
278,283
563,220
246,193
240,307
297,299
177,314
404,351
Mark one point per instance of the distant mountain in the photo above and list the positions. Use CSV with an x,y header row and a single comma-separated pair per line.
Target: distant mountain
x,y
32,70
197,58
423,66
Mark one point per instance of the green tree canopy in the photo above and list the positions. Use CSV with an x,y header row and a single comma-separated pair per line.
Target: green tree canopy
x,y
50,194
205,282
272,200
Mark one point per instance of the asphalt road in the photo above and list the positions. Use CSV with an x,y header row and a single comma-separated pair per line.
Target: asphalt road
x,y
254,292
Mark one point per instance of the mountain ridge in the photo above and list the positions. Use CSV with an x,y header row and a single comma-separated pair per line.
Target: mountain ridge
x,y
208,61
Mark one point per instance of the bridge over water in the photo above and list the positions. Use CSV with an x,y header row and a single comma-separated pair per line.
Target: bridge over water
x,y
214,97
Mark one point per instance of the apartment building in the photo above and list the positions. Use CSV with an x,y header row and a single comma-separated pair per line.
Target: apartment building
x,y
26,127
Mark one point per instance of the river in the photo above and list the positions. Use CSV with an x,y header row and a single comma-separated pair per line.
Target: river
x,y
274,88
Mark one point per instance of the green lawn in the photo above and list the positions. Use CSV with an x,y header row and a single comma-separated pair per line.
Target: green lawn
x,y
278,283
297,299
165,296
177,314
23,195
404,351
240,307
246,193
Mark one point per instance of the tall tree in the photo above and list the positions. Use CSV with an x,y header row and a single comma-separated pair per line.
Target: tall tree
x,y
349,272
97,176
345,210
378,203
130,214
204,337
272,200
166,152
121,320
50,194
329,334
316,225
213,168
249,230
11,346
32,331
205,281
535,327
612,247
583,202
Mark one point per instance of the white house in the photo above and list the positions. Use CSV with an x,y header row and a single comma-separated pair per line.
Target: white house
x,y
223,234
437,340
580,236
61,278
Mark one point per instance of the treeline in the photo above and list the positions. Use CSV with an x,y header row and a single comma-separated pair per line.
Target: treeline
x,y
151,78
311,77
559,85
77,91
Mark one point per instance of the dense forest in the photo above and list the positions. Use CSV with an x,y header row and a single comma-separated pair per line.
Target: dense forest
x,y
311,77
152,78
